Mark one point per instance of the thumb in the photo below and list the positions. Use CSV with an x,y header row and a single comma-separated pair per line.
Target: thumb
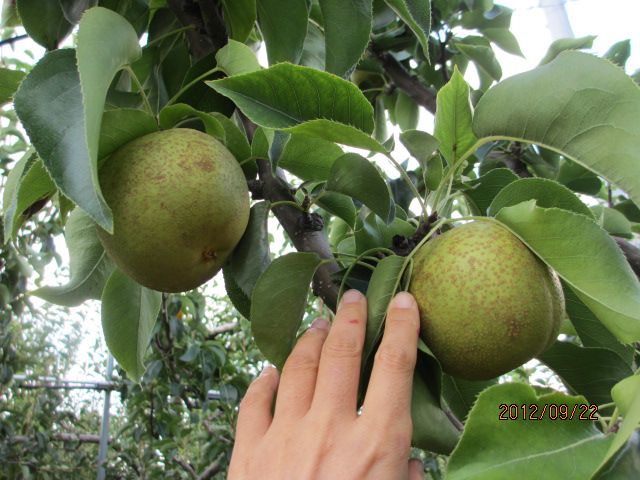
x,y
416,469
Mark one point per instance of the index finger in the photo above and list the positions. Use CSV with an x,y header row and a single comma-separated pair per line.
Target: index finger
x,y
389,392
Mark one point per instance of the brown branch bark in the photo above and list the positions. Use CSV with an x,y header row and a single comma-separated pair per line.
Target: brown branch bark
x,y
188,13
412,86
212,469
225,327
631,253
304,236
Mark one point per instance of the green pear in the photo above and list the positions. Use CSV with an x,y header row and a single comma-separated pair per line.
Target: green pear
x,y
487,303
180,205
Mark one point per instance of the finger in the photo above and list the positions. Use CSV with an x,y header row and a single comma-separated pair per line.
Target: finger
x,y
416,469
254,417
298,379
339,369
389,391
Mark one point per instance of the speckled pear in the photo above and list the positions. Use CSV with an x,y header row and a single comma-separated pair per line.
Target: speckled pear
x,y
180,205
487,303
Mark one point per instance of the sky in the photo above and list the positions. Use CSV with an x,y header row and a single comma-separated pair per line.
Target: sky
x,y
611,21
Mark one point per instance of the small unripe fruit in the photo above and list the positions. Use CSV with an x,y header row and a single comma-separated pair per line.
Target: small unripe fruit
x,y
487,303
180,205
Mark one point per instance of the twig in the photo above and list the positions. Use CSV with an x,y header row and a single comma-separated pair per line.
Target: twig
x,y
9,41
412,86
212,469
186,467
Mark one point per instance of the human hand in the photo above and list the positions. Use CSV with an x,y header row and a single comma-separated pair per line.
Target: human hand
x,y
315,431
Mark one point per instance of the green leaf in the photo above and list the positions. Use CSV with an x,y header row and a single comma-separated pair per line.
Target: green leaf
x,y
629,210
44,22
407,112
354,175
584,108
282,288
453,119
479,51
122,126
9,82
287,95
587,258
236,58
339,205
129,313
90,266
547,193
504,39
494,449
612,221
283,24
73,9
417,15
577,178
66,133
483,190
381,289
235,294
27,183
432,429
347,26
461,394
240,16
563,44
236,141
373,232
171,115
587,371
433,173
619,53
591,331
338,133
626,394
313,52
309,158
420,145
251,256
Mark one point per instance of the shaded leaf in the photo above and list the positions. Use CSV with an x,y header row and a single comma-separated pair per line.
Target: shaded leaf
x,y
504,39
347,26
563,44
240,16
461,394
339,205
587,371
9,82
44,22
483,190
122,126
235,294
338,133
171,115
278,301
89,264
420,145
612,221
283,24
417,15
357,177
129,313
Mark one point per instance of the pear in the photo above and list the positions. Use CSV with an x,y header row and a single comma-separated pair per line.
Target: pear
x,y
180,205
487,303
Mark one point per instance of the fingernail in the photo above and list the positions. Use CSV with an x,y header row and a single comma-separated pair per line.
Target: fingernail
x,y
403,300
351,296
320,324
267,370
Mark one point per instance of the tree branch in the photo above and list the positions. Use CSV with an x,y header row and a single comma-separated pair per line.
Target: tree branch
x,y
305,236
212,469
225,327
60,437
631,252
188,13
412,86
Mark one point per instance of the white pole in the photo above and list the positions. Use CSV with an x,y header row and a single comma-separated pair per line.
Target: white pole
x,y
557,18
104,429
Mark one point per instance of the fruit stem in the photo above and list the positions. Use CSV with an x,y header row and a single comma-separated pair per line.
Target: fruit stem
x,y
145,99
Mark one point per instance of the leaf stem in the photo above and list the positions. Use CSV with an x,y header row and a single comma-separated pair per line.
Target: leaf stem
x,y
169,34
145,99
173,99
613,420
409,183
